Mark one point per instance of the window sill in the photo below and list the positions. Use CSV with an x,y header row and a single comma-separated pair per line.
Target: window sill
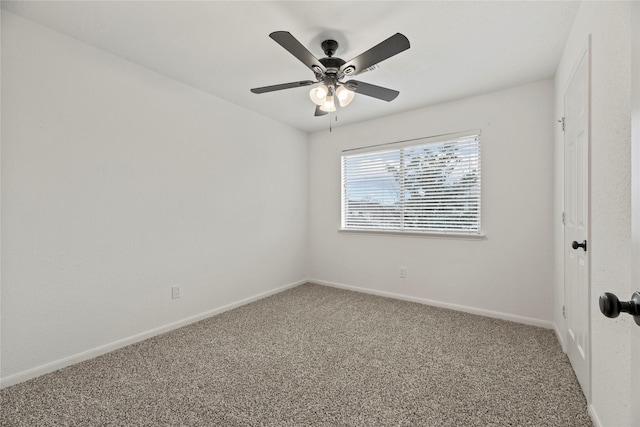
x,y
432,235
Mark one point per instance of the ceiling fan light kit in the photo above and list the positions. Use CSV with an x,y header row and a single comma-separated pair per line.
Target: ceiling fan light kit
x,y
330,71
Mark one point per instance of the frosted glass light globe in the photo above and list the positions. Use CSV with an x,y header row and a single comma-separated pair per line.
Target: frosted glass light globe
x,y
329,105
345,96
318,94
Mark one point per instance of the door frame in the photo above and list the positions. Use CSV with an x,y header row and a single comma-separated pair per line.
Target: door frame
x,y
585,53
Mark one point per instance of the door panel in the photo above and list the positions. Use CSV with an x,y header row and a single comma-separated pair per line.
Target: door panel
x,y
576,205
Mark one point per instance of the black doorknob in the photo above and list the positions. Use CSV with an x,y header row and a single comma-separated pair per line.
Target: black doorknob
x,y
576,245
611,306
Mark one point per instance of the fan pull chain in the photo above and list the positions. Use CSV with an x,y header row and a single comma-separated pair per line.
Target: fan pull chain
x,y
336,119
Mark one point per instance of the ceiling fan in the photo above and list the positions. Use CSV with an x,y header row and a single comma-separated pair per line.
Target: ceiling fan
x,y
330,71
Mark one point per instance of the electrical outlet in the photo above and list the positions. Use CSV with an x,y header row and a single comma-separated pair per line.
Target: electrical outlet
x,y
403,272
176,292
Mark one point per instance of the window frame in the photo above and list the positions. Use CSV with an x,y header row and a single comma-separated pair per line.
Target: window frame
x,y
408,144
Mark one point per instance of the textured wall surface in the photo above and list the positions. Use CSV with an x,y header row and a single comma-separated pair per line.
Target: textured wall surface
x,y
635,204
117,183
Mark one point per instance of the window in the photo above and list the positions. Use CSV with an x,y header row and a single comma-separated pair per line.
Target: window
x,y
430,186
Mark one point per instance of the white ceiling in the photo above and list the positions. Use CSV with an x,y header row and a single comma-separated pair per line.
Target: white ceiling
x,y
458,49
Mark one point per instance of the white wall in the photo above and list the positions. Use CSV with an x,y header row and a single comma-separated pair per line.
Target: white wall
x,y
508,274
608,23
117,183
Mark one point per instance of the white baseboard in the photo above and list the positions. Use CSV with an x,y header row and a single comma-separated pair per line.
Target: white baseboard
x,y
559,337
103,349
594,416
472,310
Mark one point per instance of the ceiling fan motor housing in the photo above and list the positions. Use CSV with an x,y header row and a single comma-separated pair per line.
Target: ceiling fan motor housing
x,y
333,67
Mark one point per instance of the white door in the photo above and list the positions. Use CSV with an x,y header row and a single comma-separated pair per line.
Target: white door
x,y
576,230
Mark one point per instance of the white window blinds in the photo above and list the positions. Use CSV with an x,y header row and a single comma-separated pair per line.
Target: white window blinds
x,y
427,187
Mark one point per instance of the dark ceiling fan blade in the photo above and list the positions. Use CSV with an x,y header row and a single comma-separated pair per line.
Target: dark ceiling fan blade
x,y
319,112
287,41
385,50
282,86
372,90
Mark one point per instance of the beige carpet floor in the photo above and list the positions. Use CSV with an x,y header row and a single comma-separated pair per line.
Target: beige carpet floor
x,y
315,355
